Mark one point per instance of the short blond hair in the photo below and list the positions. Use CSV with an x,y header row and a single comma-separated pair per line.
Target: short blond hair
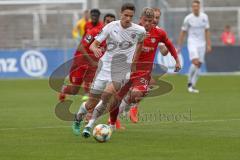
x,y
148,12
196,1
157,10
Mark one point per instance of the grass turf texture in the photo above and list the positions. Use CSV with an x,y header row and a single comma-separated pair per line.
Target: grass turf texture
x,y
29,129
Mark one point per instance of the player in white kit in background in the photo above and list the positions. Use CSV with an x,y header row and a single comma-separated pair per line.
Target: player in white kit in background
x,y
196,24
124,42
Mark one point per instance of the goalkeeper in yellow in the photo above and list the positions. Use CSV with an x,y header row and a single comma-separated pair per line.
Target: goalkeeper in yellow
x,y
79,29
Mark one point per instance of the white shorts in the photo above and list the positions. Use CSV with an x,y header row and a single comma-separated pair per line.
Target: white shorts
x,y
104,77
197,52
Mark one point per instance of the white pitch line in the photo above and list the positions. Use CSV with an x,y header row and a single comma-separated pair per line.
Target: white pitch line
x,y
146,123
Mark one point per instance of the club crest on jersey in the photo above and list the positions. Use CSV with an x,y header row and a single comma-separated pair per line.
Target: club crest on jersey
x,y
88,38
153,40
133,36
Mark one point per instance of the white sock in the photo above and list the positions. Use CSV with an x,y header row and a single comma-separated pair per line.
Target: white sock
x,y
82,111
91,123
195,77
97,112
124,107
191,72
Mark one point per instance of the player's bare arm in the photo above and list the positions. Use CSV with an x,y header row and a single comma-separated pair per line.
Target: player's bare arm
x,y
94,47
180,41
208,40
82,49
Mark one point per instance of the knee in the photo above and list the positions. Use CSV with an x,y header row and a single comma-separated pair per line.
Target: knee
x,y
106,97
75,89
90,105
197,63
136,96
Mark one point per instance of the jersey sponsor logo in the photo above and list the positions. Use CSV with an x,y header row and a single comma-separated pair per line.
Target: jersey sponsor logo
x,y
147,49
8,65
133,35
122,45
34,63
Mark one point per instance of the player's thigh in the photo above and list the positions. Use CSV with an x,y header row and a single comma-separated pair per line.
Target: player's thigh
x,y
78,70
202,53
124,90
92,101
110,91
98,86
89,74
139,88
193,52
89,77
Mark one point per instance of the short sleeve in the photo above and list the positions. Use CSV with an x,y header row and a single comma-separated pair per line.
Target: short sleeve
x,y
185,25
207,26
104,33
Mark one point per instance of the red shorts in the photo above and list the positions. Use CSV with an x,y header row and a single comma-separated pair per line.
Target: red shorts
x,y
81,71
138,81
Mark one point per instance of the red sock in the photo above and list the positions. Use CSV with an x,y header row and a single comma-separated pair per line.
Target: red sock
x,y
114,115
70,89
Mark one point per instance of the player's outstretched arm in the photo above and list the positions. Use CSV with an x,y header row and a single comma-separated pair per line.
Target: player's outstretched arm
x,y
82,49
94,47
172,50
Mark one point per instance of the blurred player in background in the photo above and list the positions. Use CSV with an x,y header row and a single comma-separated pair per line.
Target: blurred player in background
x,y
95,20
228,37
196,24
85,62
124,41
138,85
79,30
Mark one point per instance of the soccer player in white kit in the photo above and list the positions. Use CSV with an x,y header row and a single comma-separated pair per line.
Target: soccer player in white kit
x,y
196,24
124,41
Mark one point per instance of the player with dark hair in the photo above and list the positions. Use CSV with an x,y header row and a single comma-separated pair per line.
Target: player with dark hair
x,y
85,62
124,41
95,20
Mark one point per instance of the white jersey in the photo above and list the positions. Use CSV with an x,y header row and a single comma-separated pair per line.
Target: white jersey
x,y
196,26
121,45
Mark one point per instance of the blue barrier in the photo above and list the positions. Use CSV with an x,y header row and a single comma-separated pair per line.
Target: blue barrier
x,y
41,63
31,63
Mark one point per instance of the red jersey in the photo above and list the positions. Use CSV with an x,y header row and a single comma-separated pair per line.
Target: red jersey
x,y
149,48
89,38
228,38
90,26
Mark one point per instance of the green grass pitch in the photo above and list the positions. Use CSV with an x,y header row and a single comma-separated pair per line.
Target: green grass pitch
x,y
203,126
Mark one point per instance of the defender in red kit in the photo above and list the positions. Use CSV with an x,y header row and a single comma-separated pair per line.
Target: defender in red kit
x,y
137,87
85,62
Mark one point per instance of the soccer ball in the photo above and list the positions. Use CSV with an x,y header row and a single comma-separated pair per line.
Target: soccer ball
x,y
102,133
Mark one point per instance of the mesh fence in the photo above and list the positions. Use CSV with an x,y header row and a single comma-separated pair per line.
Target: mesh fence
x,y
50,25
